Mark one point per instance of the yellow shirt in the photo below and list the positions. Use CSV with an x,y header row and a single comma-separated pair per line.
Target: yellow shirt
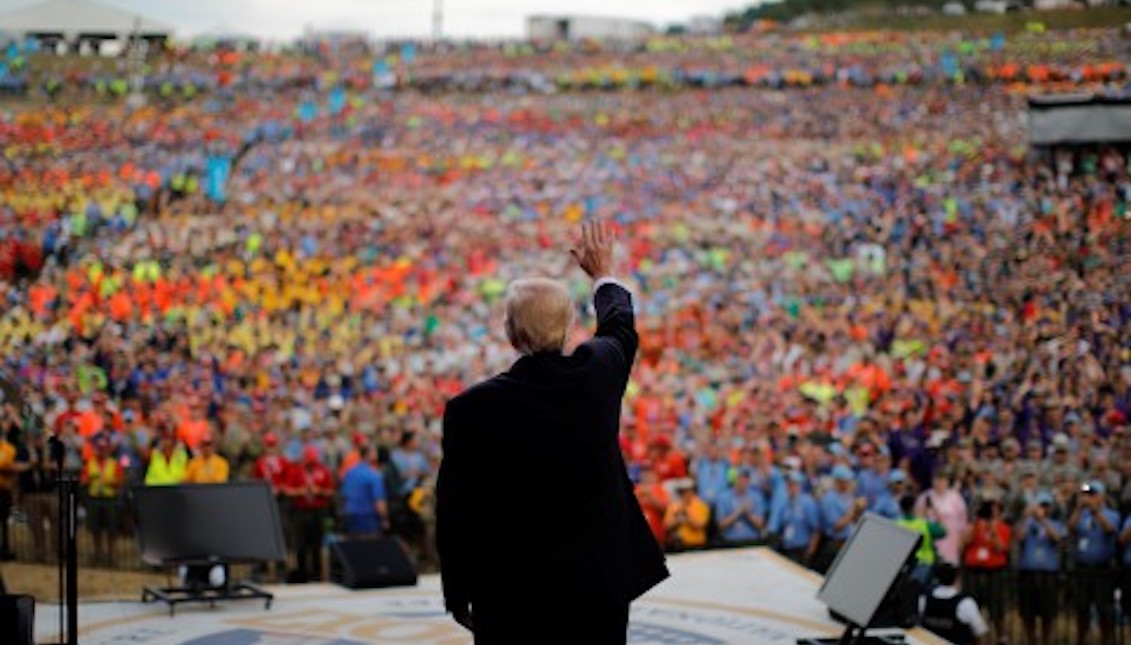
x,y
693,532
207,470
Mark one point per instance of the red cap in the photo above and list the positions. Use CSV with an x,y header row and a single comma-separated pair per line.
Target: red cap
x,y
662,441
310,454
270,439
359,439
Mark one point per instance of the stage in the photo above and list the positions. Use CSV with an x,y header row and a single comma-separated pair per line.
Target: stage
x,y
747,596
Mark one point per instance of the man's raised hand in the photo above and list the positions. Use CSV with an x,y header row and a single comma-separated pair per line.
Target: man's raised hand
x,y
594,253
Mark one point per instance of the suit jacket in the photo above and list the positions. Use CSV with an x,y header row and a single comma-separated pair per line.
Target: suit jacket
x,y
533,498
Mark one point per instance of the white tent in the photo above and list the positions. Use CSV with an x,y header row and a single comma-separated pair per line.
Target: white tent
x,y
77,18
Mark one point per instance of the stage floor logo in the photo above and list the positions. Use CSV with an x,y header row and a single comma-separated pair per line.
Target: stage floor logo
x,y
750,597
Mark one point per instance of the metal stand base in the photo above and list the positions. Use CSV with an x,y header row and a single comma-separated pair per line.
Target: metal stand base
x,y
173,596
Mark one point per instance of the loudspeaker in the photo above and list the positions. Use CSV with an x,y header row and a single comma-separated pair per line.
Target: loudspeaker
x,y
370,564
17,615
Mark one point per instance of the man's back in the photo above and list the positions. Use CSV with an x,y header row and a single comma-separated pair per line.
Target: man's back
x,y
540,493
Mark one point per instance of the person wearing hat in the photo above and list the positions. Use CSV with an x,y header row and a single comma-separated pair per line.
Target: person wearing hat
x,y
741,513
1094,527
271,466
797,522
840,509
1024,494
949,612
1059,466
1038,535
102,476
887,503
1010,462
686,518
1034,454
207,467
310,487
668,462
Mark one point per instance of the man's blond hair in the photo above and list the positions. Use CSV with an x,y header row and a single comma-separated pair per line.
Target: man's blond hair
x,y
539,315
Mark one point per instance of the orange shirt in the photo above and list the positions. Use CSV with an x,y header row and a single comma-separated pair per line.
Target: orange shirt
x,y
191,431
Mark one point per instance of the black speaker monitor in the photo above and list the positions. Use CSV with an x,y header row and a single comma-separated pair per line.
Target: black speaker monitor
x,y
235,522
17,620
371,564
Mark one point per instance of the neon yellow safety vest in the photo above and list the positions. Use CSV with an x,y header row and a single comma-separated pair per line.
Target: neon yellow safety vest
x,y
102,476
926,552
165,471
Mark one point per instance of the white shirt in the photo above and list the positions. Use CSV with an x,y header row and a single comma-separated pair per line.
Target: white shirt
x,y
968,612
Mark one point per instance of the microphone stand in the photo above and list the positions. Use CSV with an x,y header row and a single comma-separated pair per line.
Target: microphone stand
x,y
67,488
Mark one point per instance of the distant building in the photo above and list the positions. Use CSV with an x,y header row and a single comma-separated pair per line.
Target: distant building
x,y
81,25
705,25
545,28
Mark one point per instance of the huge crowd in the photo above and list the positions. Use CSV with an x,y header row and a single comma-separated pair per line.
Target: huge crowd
x,y
860,294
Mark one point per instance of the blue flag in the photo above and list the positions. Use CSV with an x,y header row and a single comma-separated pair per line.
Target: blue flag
x,y
949,63
408,53
337,100
219,169
307,110
997,42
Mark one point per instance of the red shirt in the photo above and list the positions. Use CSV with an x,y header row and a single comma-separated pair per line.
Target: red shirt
x,y
654,502
670,466
317,476
272,469
982,553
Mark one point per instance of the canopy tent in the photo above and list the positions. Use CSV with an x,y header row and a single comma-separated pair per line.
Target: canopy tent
x,y
1079,119
74,19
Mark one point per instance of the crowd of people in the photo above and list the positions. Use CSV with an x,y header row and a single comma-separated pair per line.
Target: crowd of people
x,y
852,296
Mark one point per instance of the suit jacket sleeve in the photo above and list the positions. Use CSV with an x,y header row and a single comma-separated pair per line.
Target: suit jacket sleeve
x,y
452,528
616,325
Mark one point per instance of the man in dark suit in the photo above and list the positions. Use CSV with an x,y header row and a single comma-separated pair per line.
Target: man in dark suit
x,y
540,536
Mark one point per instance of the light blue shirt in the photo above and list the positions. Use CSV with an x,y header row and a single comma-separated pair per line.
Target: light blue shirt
x,y
834,506
887,506
871,485
1039,552
712,479
799,520
409,463
742,530
1094,546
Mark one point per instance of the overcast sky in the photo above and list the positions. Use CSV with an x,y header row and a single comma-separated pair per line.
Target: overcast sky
x,y
482,18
